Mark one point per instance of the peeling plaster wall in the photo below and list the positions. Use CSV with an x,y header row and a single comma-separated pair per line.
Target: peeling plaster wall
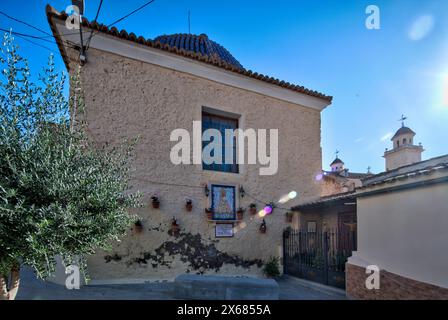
x,y
127,98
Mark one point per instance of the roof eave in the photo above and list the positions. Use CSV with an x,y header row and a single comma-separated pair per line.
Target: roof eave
x,y
123,35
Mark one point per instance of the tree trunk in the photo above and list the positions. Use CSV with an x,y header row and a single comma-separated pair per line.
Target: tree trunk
x,y
10,292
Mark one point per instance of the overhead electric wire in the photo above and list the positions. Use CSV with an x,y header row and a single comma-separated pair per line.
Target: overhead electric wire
x,y
35,43
130,13
25,23
95,20
25,35
124,17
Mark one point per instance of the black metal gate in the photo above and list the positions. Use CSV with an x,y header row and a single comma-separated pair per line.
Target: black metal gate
x,y
318,256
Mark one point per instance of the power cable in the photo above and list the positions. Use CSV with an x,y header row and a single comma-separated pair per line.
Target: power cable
x,y
96,18
35,43
125,16
25,23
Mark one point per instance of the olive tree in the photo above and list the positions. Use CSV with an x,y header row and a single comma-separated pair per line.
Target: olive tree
x,y
60,194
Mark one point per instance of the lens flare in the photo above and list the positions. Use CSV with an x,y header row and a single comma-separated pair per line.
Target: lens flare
x,y
261,213
445,91
268,209
287,197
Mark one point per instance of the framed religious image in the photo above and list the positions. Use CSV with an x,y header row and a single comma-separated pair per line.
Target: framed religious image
x,y
223,202
224,230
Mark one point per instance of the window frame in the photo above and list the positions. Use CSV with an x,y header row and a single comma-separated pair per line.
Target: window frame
x,y
225,117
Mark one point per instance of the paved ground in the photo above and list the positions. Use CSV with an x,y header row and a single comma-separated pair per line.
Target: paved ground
x,y
33,289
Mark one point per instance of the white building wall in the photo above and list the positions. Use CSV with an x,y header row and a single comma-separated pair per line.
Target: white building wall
x,y
406,233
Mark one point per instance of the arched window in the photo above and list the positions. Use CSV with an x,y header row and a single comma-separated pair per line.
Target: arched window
x,y
404,141
398,143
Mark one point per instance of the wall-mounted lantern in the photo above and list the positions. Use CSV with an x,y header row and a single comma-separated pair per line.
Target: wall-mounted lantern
x,y
206,190
242,192
175,228
263,227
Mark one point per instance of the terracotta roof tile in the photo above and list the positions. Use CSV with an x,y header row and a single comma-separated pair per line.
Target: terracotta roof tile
x,y
219,57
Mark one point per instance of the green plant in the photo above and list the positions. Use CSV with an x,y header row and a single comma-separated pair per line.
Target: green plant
x,y
60,193
272,267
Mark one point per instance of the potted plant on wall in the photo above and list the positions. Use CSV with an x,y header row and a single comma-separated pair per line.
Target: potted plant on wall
x,y
209,213
289,215
188,204
155,201
240,213
138,226
253,208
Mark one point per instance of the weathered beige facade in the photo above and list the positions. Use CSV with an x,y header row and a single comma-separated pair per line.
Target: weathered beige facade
x,y
127,98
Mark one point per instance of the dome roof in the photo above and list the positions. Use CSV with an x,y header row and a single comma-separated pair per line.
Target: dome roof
x,y
336,161
402,130
199,44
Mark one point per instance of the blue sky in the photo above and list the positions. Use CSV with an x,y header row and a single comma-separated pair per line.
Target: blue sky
x,y
374,75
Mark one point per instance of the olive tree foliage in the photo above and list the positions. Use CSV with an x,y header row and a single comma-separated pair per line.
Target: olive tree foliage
x,y
60,194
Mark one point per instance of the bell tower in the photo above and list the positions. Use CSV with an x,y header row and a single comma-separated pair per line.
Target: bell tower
x,y
337,165
404,151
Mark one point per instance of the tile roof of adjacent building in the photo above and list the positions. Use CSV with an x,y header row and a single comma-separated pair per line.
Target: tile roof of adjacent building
x,y
219,60
422,168
386,175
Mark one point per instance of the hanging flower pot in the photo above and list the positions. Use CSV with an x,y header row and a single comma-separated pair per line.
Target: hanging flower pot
x,y
175,228
253,209
263,227
209,213
188,205
239,214
155,202
289,216
138,226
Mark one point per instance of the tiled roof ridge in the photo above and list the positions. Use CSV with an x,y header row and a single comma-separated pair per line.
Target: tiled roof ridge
x,y
404,167
417,172
359,191
123,34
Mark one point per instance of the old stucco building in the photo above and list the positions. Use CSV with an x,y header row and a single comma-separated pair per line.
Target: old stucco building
x,y
148,88
400,218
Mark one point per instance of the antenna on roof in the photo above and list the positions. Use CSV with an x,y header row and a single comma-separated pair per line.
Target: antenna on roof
x,y
337,153
189,22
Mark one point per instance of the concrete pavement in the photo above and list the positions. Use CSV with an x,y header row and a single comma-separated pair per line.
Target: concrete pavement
x,y
33,289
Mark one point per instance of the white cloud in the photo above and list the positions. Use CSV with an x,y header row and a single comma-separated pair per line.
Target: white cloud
x,y
359,139
421,27
386,136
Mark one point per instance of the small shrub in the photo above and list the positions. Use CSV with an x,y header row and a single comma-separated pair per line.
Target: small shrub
x,y
271,267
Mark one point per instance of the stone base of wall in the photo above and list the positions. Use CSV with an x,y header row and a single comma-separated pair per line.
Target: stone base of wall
x,y
392,287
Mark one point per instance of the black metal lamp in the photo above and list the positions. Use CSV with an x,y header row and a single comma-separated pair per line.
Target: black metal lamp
x,y
242,192
206,190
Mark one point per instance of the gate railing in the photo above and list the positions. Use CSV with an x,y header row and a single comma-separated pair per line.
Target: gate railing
x,y
319,255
